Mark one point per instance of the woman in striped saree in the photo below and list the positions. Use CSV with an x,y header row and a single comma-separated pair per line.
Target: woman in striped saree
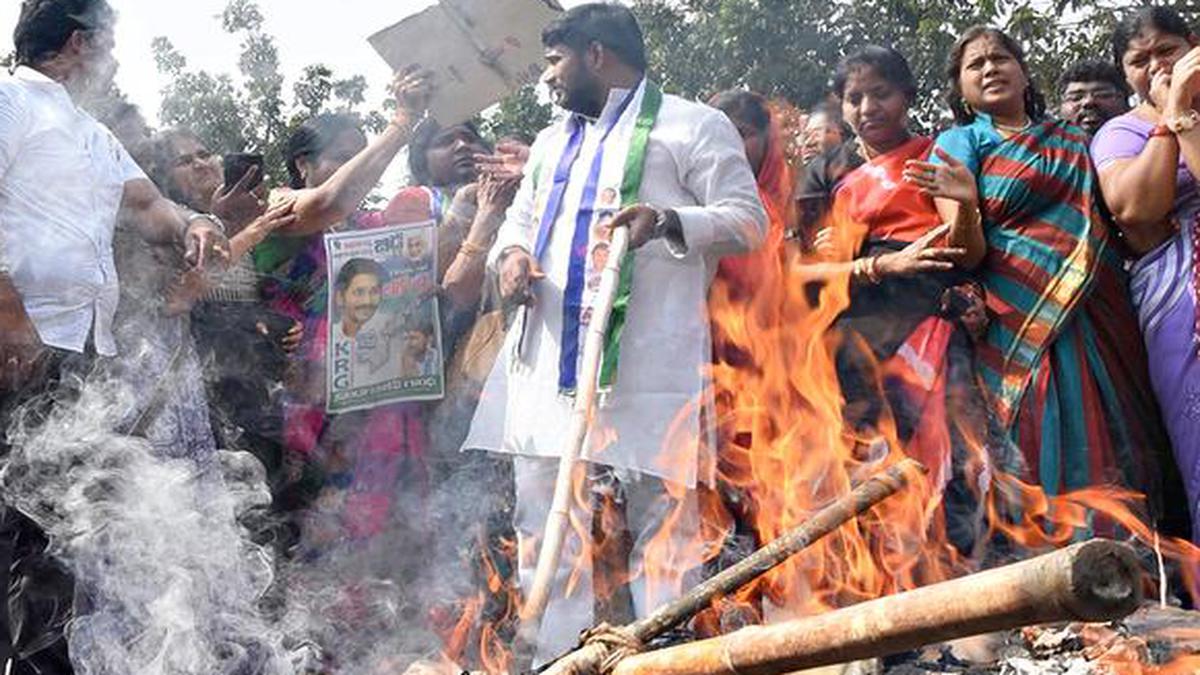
x,y
1062,362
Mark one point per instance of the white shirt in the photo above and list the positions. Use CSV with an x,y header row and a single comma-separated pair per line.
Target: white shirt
x,y
696,164
62,178
371,350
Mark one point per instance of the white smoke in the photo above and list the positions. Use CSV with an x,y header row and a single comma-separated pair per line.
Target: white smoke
x,y
168,581
176,572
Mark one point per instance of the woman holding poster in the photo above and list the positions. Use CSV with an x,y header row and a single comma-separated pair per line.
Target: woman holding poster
x,y
358,463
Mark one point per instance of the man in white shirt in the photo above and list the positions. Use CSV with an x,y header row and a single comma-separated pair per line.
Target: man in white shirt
x,y
676,174
63,180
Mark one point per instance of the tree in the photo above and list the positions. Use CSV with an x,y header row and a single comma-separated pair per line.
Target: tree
x,y
790,48
209,105
519,116
251,112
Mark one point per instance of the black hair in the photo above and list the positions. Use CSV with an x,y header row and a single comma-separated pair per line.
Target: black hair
x,y
1165,19
312,138
355,267
1095,71
744,106
418,159
887,63
160,159
1035,103
44,26
607,23
834,112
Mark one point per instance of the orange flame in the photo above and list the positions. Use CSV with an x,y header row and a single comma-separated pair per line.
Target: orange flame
x,y
786,450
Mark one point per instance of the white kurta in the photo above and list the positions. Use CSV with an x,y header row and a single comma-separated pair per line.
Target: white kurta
x,y
650,422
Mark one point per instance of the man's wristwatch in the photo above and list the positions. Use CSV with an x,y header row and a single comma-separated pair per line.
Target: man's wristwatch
x,y
666,224
209,217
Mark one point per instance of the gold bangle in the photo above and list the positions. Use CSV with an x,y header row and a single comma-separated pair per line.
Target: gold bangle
x,y
873,269
471,250
856,269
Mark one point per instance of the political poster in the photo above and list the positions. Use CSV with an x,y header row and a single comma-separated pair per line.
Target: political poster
x,y
385,342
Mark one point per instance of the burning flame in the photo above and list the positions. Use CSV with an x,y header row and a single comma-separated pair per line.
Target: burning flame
x,y
786,450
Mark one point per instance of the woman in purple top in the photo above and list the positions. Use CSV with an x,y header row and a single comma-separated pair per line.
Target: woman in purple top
x,y
1148,160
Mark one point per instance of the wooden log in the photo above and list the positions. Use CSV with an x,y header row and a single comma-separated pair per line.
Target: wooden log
x,y
588,659
558,521
1097,580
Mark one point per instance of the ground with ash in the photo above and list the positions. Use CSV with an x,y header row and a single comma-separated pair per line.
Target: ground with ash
x,y
1153,641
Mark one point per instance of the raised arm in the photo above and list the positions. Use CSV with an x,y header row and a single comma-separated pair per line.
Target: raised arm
x,y
161,221
1139,190
333,201
463,281
955,192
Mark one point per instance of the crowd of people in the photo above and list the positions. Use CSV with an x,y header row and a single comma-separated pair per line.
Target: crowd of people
x,y
1026,275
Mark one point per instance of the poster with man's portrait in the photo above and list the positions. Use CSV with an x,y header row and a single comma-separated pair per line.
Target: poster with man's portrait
x,y
385,342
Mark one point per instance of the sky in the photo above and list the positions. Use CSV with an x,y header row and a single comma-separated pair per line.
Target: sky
x,y
332,32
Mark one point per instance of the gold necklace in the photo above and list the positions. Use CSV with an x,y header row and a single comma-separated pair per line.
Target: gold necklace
x,y
1009,130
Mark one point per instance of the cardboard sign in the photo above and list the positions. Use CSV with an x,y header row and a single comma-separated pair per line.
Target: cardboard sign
x,y
481,50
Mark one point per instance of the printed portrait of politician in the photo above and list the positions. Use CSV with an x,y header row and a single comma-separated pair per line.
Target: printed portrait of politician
x,y
363,332
421,357
418,253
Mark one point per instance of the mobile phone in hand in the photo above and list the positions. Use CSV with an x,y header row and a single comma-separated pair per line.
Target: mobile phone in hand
x,y
236,166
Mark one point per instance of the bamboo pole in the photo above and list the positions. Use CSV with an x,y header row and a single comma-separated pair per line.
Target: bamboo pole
x,y
558,520
588,659
1098,580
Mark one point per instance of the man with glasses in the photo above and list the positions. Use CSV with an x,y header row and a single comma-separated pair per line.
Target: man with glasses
x,y
1092,93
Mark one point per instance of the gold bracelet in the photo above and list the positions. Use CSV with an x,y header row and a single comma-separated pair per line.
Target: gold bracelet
x,y
471,250
873,269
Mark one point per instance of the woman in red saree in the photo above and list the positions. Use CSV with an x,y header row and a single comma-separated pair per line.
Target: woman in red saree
x,y
905,364
758,126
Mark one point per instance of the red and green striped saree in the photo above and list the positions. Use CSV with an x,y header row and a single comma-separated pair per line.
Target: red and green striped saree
x,y
1063,361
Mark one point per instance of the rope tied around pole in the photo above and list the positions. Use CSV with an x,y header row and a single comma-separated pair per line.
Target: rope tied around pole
x,y
618,642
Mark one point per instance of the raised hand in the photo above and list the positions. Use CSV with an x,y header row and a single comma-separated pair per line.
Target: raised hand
x,y
1160,90
496,193
1185,82
507,162
204,244
237,205
412,90
518,271
952,180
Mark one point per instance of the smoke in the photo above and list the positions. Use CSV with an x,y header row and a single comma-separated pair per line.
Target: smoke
x,y
175,562
167,578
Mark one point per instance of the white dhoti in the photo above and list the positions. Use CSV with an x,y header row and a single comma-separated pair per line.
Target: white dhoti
x,y
647,507
650,430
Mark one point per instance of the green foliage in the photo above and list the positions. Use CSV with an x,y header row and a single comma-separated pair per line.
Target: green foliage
x,y
250,113
521,116
209,105
790,48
